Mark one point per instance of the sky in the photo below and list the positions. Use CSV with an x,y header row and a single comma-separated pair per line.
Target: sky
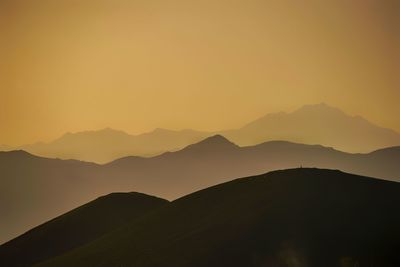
x,y
136,65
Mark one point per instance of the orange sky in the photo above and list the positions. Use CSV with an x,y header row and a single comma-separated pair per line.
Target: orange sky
x,y
135,65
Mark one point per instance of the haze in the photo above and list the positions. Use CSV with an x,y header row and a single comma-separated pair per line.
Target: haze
x,y
207,65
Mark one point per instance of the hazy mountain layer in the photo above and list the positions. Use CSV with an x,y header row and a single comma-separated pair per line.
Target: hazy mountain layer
x,y
292,218
312,124
317,124
34,189
106,145
77,227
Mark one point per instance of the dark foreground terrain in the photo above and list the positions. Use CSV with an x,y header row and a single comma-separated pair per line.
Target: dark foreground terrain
x,y
297,217
77,227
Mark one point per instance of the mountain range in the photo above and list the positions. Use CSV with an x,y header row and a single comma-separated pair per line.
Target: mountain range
x,y
35,189
290,218
311,124
106,145
317,124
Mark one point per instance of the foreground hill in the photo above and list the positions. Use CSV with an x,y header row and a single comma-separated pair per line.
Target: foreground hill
x,y
311,124
298,217
34,189
76,228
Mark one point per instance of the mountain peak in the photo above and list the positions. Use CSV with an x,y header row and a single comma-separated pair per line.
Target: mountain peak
x,y
213,142
216,139
121,196
321,109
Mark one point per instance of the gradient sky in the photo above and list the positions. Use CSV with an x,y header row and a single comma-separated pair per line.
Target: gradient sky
x,y
72,65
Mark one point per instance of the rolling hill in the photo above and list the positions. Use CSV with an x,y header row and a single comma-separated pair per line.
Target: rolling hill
x,y
310,124
77,227
289,218
34,189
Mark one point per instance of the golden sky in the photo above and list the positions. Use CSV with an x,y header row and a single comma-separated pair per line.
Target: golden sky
x,y
72,65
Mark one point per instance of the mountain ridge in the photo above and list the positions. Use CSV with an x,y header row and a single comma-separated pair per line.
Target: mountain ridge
x,y
26,187
310,124
317,124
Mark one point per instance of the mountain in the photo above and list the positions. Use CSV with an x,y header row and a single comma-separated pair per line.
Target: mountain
x,y
311,124
106,145
77,227
317,124
290,218
35,189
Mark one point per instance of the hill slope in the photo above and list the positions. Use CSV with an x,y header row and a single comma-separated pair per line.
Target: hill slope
x,y
77,227
298,217
34,189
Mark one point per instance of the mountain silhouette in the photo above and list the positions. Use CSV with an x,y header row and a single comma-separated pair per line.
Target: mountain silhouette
x,y
311,124
298,217
106,145
35,189
216,144
317,124
77,227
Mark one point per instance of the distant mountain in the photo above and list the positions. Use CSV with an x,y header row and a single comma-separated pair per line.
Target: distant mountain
x,y
77,227
35,189
292,218
311,124
317,124
107,145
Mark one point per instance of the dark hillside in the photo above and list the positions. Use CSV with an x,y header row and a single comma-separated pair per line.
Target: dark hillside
x,y
297,217
76,227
